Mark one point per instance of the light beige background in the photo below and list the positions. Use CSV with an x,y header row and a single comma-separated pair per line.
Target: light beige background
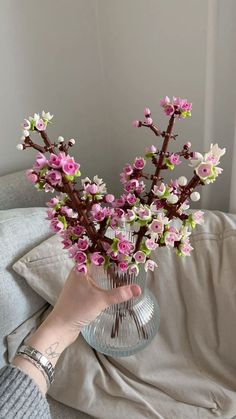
x,y
95,64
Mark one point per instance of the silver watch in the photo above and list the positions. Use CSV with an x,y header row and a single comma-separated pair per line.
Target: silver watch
x,y
40,360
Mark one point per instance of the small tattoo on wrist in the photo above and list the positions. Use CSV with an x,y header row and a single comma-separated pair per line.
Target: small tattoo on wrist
x,y
51,351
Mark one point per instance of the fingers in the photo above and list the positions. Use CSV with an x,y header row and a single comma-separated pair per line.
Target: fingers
x,y
121,294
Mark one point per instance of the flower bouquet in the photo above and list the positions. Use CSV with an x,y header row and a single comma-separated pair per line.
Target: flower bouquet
x,y
118,235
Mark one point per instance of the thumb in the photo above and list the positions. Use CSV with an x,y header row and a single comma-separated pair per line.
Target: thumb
x,y
121,294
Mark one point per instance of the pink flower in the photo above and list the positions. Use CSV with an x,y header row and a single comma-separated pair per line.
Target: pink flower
x,y
149,121
130,215
159,190
91,188
40,125
165,101
31,176
131,185
67,243
185,248
82,269
143,212
53,201
50,213
40,161
26,124
174,159
54,177
150,265
48,188
109,198
69,166
156,226
55,161
131,198
147,112
140,256
150,244
170,238
139,163
137,124
125,247
197,216
128,170
80,257
56,225
78,230
97,258
123,265
119,202
83,244
204,170
98,213
169,110
134,269
68,211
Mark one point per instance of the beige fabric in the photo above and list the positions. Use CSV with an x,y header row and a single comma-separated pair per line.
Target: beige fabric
x,y
189,369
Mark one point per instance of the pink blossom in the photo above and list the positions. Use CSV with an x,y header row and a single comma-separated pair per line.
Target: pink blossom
x,y
119,202
169,110
54,177
48,188
185,248
40,161
123,265
69,166
137,124
98,213
68,211
149,121
197,216
159,204
109,198
31,176
114,222
56,225
50,213
156,226
80,257
159,190
128,170
150,244
130,215
131,185
140,256
53,201
150,265
174,159
147,112
204,170
170,238
40,125
55,161
143,212
83,244
125,247
165,101
26,124
78,230
174,183
139,163
97,258
91,188
131,198
82,269
140,187
67,243
187,145
134,269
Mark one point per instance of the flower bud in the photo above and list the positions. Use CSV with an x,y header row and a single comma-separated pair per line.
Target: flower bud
x,y
22,138
71,142
195,196
172,199
20,147
187,145
147,112
149,121
60,139
25,132
182,181
136,124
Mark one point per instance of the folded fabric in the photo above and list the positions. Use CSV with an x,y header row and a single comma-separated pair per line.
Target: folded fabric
x,y
189,369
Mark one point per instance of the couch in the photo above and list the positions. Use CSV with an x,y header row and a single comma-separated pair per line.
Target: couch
x,y
195,340
20,307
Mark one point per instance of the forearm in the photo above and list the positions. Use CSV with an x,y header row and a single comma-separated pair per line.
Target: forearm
x,y
51,339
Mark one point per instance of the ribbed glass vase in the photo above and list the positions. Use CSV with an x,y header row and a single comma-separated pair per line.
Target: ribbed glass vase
x,y
126,328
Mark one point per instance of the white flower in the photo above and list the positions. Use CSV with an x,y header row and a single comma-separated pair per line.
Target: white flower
x,y
85,180
20,147
172,198
182,181
25,132
214,154
36,117
195,196
47,116
196,160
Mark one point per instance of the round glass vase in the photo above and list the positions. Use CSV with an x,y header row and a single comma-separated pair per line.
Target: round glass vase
x,y
126,328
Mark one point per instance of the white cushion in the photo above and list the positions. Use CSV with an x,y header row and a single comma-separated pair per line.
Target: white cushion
x,y
189,369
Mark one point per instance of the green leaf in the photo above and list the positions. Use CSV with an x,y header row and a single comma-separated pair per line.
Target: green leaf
x,y
114,244
69,177
149,154
78,173
63,220
169,164
43,170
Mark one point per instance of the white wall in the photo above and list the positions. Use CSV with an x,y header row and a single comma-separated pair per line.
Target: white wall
x,y
96,64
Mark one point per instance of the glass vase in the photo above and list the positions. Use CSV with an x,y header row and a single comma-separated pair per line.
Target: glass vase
x,y
126,328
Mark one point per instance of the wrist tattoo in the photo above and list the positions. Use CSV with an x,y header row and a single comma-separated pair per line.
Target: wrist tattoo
x,y
51,351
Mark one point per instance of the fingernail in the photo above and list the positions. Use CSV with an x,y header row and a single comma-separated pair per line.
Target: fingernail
x,y
136,290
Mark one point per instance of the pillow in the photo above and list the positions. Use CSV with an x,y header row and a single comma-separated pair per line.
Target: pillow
x,y
189,369
20,230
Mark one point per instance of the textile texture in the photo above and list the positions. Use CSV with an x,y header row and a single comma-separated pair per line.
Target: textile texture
x,y
189,369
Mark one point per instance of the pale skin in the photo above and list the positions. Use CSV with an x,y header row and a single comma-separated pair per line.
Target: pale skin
x,y
80,302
